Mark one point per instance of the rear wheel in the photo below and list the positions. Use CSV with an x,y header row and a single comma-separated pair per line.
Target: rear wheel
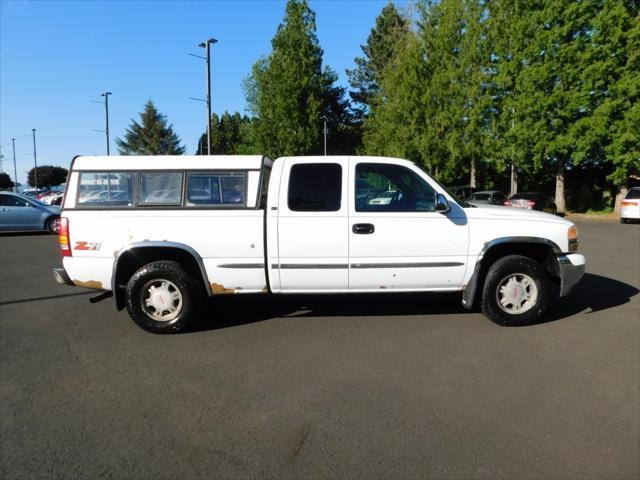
x,y
516,291
53,225
162,297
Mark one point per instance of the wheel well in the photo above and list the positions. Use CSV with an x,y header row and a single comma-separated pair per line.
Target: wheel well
x,y
539,252
131,260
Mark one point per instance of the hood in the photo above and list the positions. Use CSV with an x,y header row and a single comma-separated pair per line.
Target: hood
x,y
498,211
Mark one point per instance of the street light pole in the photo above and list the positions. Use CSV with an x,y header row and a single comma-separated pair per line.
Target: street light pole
x,y
325,137
15,170
207,45
35,159
106,111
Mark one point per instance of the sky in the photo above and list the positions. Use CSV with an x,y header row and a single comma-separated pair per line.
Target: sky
x,y
56,58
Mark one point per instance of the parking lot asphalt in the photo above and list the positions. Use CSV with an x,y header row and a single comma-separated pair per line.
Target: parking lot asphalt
x,y
398,386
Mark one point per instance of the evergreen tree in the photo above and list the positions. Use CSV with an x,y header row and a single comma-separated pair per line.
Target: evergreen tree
x,y
397,124
152,136
436,89
390,29
611,133
289,91
510,30
226,134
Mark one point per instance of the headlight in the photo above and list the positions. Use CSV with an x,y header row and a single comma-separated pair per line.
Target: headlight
x,y
572,235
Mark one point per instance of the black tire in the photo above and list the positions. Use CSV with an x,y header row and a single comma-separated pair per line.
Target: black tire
x,y
154,275
624,220
53,225
523,271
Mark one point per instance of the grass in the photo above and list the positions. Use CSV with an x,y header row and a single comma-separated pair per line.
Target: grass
x,y
604,211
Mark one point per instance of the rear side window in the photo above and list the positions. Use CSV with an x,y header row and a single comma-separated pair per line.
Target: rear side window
x,y
217,189
160,188
315,187
105,189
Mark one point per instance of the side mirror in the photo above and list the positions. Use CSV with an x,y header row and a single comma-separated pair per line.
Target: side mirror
x,y
442,205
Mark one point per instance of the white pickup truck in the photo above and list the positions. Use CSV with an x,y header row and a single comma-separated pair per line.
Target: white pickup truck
x,y
160,233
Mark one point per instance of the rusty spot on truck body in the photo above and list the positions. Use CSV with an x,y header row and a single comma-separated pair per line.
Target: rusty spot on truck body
x,y
88,284
217,289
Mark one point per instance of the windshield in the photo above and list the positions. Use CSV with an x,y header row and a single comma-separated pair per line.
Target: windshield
x,y
480,196
633,193
524,196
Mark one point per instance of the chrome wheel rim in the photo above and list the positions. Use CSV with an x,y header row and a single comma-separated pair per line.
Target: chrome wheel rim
x,y
517,293
161,300
54,225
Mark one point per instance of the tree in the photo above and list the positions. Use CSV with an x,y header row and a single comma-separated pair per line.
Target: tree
x,y
5,181
152,136
611,133
48,176
381,47
226,134
510,31
436,89
289,92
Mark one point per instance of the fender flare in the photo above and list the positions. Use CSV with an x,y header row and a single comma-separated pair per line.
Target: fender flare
x,y
156,244
469,293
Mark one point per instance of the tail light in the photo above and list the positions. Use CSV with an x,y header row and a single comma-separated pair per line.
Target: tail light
x,y
507,203
63,237
627,203
531,204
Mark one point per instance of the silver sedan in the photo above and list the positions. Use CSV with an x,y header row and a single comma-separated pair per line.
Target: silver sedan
x,y
19,212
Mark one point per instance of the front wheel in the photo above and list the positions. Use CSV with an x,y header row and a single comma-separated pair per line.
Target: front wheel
x,y
516,291
162,297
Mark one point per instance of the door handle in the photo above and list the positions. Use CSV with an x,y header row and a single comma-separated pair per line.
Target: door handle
x,y
363,228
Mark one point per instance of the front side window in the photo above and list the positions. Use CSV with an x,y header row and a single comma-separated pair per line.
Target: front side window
x,y
382,187
105,189
315,187
160,188
217,189
13,201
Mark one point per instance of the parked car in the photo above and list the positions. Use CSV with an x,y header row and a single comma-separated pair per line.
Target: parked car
x,y
19,212
304,225
463,192
630,211
383,198
32,192
53,199
487,197
533,201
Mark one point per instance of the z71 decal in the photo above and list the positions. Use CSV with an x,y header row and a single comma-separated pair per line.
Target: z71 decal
x,y
87,246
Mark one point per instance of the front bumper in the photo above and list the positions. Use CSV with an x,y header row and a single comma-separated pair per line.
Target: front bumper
x,y
60,274
571,269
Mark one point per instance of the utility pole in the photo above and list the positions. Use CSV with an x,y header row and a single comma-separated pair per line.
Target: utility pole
x,y
325,137
15,170
207,46
35,159
106,111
